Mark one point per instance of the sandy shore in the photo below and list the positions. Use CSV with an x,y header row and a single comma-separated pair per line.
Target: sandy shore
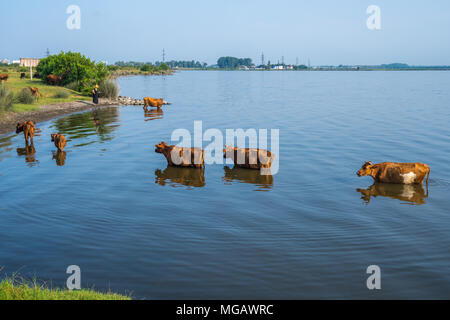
x,y
9,120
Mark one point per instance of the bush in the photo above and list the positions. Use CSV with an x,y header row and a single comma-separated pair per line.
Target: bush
x,y
25,96
164,67
73,67
146,68
6,99
109,89
62,94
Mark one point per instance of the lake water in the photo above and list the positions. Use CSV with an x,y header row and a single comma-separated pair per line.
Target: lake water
x,y
110,205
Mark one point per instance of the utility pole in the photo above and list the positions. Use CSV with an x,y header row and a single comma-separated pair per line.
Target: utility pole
x,y
282,60
164,55
47,52
262,59
296,61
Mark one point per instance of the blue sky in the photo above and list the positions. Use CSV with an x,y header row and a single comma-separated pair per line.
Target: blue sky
x,y
324,31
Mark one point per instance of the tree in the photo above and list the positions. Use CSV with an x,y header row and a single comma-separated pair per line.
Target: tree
x,y
233,62
73,67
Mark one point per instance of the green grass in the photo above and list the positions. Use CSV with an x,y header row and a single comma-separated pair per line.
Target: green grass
x,y
48,92
12,289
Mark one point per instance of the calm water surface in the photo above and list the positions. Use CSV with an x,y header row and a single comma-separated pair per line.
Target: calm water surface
x,y
110,204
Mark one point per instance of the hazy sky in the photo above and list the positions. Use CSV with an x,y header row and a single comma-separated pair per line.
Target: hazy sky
x,y
325,31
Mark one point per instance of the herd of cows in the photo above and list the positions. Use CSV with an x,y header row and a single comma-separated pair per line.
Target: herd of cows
x,y
387,172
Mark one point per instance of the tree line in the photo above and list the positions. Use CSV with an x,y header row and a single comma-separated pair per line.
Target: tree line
x,y
233,62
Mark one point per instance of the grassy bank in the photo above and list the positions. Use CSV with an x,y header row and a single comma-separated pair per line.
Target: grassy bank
x,y
49,93
14,290
130,71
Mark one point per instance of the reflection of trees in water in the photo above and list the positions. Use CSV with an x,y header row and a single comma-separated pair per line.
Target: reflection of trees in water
x,y
410,193
29,152
174,176
101,122
264,182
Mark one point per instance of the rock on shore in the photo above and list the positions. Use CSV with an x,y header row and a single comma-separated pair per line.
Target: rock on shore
x,y
128,101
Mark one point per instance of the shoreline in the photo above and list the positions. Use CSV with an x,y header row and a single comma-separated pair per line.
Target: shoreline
x,y
9,120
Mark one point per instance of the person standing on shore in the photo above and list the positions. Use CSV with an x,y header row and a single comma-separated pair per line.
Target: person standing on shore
x,y
95,94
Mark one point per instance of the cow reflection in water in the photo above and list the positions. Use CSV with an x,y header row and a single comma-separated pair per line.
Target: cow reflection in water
x,y
263,182
411,194
153,114
175,176
60,157
29,152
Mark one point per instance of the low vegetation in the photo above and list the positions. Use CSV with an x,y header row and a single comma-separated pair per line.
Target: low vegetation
x,y
25,96
18,289
109,89
61,94
6,99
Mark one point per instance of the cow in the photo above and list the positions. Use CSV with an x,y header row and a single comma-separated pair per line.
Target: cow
x,y
27,128
409,193
35,92
182,157
53,80
22,75
397,173
249,158
156,103
59,140
37,75
4,77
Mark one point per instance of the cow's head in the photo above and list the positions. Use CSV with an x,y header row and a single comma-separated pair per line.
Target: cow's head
x,y
160,147
53,136
19,127
365,170
228,152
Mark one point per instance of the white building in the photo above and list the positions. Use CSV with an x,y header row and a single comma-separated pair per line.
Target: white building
x,y
5,61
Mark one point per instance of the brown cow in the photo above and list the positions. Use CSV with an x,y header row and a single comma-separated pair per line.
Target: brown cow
x,y
4,76
400,173
249,158
53,80
182,157
27,128
59,140
35,92
410,193
156,103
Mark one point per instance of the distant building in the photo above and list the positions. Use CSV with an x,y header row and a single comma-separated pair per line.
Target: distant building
x,y
29,62
5,61
15,62
278,67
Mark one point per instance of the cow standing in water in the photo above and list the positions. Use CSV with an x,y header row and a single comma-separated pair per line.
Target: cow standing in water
x,y
249,158
182,157
400,173
27,128
59,140
156,103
